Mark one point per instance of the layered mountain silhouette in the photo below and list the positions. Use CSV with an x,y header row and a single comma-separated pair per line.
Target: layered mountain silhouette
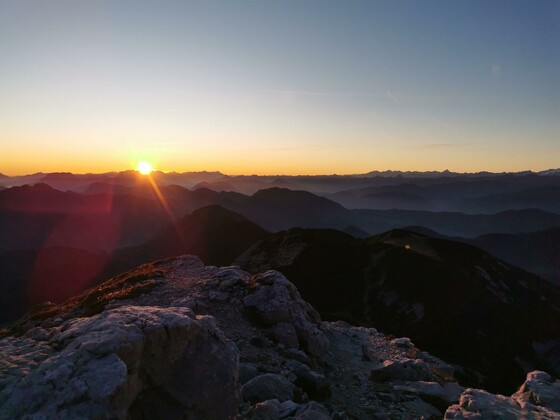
x,y
110,216
482,192
39,216
458,224
492,319
544,197
280,208
485,193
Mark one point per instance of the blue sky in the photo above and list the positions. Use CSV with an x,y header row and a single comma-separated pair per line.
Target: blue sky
x,y
279,86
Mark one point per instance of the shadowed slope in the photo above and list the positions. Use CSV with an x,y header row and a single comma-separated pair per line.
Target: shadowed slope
x,y
214,234
537,252
456,300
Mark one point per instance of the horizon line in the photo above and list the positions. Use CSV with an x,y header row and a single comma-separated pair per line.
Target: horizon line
x,y
445,171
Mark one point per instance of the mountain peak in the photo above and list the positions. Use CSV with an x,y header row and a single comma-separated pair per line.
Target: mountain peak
x,y
218,212
239,337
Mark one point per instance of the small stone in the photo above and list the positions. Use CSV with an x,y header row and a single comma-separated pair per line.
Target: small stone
x,y
286,334
287,408
218,296
296,354
267,387
403,342
266,410
247,372
312,411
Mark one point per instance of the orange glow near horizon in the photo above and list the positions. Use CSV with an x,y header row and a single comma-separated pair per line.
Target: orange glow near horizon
x,y
232,161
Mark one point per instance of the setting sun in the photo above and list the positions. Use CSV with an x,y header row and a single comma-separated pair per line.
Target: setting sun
x,y
144,168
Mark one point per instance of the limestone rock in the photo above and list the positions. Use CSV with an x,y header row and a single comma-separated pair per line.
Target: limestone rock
x,y
402,342
277,301
286,334
266,410
448,393
539,389
403,369
537,398
313,383
247,372
312,411
128,359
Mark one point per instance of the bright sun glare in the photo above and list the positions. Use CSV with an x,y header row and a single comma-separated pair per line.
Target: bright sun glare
x,y
144,168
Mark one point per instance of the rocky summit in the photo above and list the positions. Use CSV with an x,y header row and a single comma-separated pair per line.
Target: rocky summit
x,y
176,339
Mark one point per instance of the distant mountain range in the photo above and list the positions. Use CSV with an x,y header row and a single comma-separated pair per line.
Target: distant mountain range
x,y
318,184
458,224
446,173
107,216
488,194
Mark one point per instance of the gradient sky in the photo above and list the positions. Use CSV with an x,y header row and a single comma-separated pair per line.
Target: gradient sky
x,y
279,86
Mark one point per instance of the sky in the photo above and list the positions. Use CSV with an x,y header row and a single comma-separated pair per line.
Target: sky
x,y
279,87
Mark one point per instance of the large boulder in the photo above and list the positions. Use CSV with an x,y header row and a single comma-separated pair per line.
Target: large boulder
x,y
539,389
142,360
268,386
277,302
